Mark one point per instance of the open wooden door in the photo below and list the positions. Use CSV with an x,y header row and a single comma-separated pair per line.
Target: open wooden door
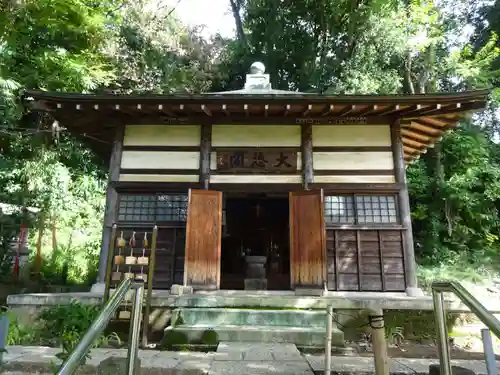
x,y
203,239
307,240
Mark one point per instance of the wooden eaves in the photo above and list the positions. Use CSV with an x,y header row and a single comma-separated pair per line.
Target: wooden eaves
x,y
423,118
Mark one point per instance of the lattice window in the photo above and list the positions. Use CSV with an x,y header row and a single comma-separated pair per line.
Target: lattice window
x,y
172,208
339,209
138,208
376,209
152,208
360,209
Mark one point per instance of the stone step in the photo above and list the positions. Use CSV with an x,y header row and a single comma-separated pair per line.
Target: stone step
x,y
299,336
250,317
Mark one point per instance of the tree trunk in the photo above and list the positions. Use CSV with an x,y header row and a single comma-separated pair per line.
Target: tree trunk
x,y
410,89
322,51
54,235
39,242
235,7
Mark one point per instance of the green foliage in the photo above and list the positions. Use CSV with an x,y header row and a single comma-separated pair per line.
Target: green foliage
x,y
210,337
67,323
60,326
8,225
173,340
414,325
455,216
20,334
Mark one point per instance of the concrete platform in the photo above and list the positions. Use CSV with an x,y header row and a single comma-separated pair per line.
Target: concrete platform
x,y
302,336
259,299
230,359
296,326
252,317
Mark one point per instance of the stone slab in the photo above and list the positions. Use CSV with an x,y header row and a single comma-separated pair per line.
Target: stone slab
x,y
260,368
34,360
279,299
365,365
179,290
116,365
260,351
255,283
217,316
264,334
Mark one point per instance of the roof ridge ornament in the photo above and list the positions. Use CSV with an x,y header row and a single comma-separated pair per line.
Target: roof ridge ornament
x,y
257,79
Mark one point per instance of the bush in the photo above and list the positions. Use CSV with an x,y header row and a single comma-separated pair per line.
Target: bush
x,y
173,339
210,337
20,334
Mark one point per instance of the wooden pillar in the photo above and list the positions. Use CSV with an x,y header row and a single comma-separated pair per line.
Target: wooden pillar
x,y
379,342
404,210
111,200
205,150
307,156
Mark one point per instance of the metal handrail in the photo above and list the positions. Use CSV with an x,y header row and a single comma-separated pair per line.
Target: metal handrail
x,y
76,357
487,318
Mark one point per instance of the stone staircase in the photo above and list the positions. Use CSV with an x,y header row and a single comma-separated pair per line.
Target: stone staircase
x,y
305,328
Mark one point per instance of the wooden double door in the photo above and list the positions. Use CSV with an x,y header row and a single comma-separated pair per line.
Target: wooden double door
x,y
202,264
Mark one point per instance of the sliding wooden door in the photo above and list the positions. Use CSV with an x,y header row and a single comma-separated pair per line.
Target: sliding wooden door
x,y
307,239
203,239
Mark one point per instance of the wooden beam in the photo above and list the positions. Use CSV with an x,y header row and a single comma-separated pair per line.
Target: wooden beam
x,y
266,110
287,110
423,130
245,107
404,207
381,255
205,152
307,155
224,109
457,108
358,259
414,144
329,111
367,111
387,111
168,112
91,117
307,111
347,110
428,128
205,109
412,151
415,134
408,111
110,212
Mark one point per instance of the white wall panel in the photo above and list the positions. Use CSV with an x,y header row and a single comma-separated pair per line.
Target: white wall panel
x,y
158,178
255,135
255,179
160,160
162,135
354,179
351,135
353,160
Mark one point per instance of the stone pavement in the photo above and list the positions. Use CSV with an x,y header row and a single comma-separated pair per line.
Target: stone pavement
x,y
230,359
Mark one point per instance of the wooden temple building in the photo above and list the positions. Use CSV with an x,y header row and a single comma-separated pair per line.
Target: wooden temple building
x,y
264,189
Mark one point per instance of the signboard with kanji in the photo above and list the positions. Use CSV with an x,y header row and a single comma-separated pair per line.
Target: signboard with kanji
x,y
253,161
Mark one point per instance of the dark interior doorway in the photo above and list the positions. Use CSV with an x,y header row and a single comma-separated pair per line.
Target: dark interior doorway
x,y
256,226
